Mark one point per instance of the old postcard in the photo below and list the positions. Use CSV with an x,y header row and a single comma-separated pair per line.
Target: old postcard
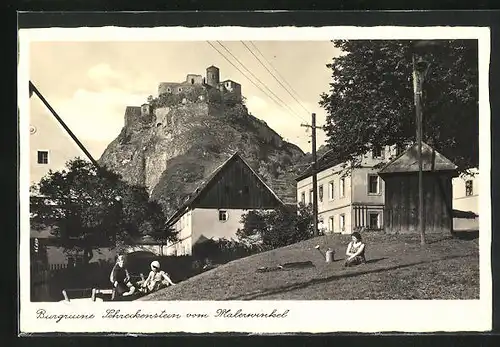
x,y
254,180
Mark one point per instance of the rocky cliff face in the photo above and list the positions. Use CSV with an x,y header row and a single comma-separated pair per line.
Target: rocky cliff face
x,y
173,149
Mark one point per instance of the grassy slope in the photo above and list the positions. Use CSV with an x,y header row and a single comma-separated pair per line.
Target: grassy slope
x,y
398,268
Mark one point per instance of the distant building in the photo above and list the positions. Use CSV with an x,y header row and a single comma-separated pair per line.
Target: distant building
x,y
466,201
348,197
215,209
211,81
466,192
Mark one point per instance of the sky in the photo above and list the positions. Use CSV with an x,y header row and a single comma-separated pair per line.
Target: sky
x,y
89,84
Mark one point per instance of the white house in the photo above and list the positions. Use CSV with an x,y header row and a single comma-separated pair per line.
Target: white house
x,y
466,192
466,200
50,147
349,196
215,209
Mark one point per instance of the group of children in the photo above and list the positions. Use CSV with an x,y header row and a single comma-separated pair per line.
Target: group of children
x,y
123,286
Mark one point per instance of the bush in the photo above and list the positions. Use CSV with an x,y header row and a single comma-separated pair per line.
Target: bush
x,y
278,228
222,251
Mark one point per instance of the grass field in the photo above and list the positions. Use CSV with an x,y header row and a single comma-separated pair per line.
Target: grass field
x,y
397,268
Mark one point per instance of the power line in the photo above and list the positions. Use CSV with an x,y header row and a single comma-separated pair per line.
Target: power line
x,y
265,86
33,89
250,79
296,97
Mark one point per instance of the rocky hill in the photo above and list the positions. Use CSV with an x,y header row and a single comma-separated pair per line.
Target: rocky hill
x,y
174,142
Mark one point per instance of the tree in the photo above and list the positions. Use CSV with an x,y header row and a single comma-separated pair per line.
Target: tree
x,y
277,228
87,207
370,102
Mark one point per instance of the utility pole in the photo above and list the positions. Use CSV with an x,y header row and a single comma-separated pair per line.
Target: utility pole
x,y
314,172
33,89
420,68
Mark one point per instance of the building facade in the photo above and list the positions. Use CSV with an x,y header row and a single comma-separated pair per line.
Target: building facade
x,y
50,148
193,81
49,144
349,196
466,192
214,211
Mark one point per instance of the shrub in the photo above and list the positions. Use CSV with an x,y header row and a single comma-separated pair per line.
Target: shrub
x,y
222,250
278,228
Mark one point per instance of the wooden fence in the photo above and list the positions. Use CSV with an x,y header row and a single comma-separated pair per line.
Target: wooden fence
x,y
47,282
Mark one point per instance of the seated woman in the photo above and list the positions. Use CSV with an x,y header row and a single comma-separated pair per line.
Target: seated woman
x,y
157,279
355,253
121,278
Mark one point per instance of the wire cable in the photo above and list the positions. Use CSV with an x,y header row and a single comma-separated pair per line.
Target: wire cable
x,y
296,96
283,105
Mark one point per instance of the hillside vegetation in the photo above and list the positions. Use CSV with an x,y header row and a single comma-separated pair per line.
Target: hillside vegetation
x,y
172,152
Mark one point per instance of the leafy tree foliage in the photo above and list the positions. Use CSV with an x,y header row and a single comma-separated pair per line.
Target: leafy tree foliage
x,y
277,228
371,100
87,207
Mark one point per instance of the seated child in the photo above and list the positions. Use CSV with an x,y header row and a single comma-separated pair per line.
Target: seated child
x,y
156,279
120,278
355,253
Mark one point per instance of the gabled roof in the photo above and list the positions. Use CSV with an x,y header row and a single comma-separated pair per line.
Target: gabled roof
x,y
408,161
324,162
204,186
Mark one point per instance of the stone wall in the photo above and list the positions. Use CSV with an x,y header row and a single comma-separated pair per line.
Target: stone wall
x,y
174,88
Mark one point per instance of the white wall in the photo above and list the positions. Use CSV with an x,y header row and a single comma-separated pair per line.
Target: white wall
x,y
335,214
325,177
461,201
206,223
184,226
49,136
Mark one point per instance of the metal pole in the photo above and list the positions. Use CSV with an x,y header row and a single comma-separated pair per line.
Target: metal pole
x,y
59,119
418,79
314,175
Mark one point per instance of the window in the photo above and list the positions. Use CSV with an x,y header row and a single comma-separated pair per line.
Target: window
x,y
373,184
303,198
331,191
320,193
342,187
192,80
399,149
374,220
468,188
330,224
311,196
377,153
169,90
180,89
342,222
43,157
223,216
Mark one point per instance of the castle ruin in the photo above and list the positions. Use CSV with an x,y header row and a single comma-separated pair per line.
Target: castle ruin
x,y
212,80
193,84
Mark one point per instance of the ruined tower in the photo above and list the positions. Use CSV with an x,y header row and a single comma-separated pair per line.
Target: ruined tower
x,y
213,76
